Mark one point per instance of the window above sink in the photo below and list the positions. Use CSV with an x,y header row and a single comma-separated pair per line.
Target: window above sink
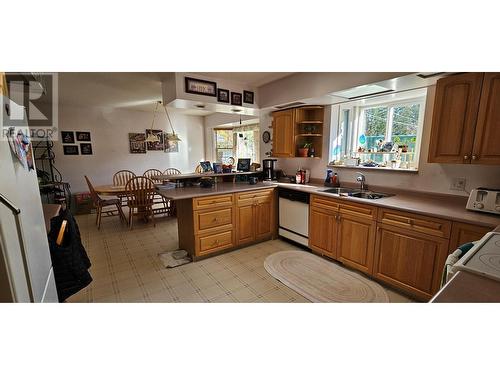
x,y
384,132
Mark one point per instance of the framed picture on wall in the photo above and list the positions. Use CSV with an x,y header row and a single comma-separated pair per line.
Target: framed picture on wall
x,y
70,150
83,136
68,137
248,97
158,144
171,146
236,98
137,143
86,148
223,95
200,86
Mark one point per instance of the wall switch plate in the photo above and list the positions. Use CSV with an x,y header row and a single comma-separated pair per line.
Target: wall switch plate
x,y
458,183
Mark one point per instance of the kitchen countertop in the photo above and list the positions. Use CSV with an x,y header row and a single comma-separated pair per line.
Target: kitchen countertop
x,y
219,188
438,205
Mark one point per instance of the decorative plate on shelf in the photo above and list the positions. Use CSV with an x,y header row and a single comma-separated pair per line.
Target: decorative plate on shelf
x,y
266,137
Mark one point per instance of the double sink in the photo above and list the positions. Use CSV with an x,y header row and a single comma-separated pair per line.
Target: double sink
x,y
357,193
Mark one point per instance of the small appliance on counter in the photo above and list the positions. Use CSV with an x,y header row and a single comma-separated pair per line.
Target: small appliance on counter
x,y
269,166
484,200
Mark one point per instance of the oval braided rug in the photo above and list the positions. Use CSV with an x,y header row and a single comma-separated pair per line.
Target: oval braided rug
x,y
319,280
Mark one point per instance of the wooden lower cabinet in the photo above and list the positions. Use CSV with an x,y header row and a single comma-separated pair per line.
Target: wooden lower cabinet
x,y
322,233
408,260
356,241
254,217
462,233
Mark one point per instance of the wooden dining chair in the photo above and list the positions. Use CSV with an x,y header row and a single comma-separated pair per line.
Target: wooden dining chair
x,y
140,198
101,205
170,171
121,178
151,174
198,169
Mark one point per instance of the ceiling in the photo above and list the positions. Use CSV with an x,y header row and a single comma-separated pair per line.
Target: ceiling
x,y
255,79
138,91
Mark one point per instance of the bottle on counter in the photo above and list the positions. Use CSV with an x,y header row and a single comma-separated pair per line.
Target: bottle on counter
x,y
298,177
328,176
335,180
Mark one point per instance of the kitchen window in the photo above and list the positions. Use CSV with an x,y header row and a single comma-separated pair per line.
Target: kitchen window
x,y
238,142
382,132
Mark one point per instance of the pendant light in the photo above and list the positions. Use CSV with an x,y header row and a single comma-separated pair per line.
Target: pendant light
x,y
171,137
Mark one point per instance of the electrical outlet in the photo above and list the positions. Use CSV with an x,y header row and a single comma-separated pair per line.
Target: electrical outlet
x,y
458,183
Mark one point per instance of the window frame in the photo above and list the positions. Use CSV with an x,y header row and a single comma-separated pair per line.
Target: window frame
x,y
233,149
355,109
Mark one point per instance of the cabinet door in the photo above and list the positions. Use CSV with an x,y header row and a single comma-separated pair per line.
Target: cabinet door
x,y
283,135
454,118
356,242
263,220
3,84
322,232
245,224
487,138
410,261
462,233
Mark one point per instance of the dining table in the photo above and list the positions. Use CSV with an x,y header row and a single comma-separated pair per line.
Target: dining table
x,y
110,189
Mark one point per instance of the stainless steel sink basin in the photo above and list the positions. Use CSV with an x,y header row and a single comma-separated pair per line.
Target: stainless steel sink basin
x,y
340,190
370,195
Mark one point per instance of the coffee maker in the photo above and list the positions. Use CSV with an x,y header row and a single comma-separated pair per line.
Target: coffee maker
x,y
268,166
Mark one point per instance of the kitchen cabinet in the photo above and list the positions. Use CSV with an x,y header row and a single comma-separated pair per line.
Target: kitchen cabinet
x,y
466,120
322,233
208,225
356,241
254,216
409,260
283,133
462,233
295,127
342,231
486,149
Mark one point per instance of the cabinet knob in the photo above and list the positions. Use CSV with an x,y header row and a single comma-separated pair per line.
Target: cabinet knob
x,y
466,157
474,157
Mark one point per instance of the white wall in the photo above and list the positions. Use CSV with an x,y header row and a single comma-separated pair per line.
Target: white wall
x,y
431,177
109,129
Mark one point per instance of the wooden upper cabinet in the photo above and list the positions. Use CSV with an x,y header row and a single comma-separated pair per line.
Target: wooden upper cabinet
x,y
283,133
487,138
454,118
3,84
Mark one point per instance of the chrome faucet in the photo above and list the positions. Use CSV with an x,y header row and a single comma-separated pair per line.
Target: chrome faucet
x,y
361,179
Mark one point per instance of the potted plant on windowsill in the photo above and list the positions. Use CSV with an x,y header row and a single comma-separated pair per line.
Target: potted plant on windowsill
x,y
304,150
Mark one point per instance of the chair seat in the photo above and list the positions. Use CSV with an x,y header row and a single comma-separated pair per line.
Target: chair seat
x,y
109,202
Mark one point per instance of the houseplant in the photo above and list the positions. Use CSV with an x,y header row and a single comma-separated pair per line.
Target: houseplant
x,y
304,150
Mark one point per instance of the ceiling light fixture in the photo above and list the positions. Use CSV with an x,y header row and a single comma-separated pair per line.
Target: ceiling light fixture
x,y
169,136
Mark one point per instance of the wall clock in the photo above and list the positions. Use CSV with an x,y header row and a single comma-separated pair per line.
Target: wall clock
x,y
266,137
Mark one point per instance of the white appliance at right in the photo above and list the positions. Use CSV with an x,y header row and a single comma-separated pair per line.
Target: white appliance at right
x,y
484,200
26,273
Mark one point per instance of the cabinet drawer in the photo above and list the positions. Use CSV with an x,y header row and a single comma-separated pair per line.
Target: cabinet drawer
x,y
318,201
359,210
419,223
212,219
258,196
214,242
213,201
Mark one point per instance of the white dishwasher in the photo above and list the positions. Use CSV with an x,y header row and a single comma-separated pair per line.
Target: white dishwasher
x,y
294,215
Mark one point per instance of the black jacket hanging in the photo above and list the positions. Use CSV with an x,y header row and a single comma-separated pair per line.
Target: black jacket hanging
x,y
69,259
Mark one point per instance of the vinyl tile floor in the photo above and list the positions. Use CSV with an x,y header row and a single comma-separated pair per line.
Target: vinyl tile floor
x,y
126,268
